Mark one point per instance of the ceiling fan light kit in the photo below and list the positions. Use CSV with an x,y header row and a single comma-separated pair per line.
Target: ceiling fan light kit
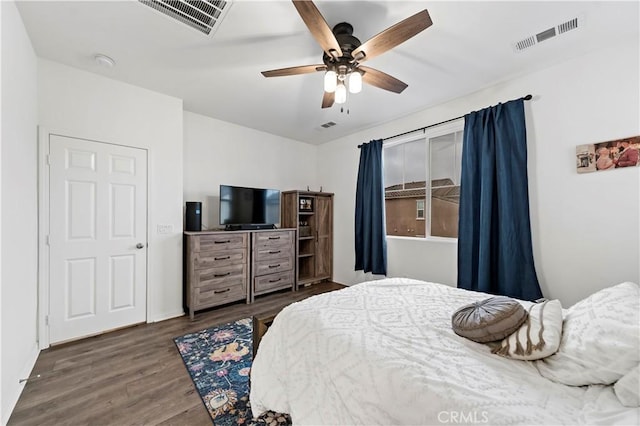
x,y
330,81
355,82
341,93
344,53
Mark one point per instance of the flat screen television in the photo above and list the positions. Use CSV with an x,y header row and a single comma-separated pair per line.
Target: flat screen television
x,y
249,208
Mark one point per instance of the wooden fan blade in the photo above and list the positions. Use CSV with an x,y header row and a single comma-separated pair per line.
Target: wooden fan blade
x,y
328,99
319,28
382,80
304,69
392,36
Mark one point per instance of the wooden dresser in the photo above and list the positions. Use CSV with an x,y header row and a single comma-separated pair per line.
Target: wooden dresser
x,y
272,261
217,269
226,266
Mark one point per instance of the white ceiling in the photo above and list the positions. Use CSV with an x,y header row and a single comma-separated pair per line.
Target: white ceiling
x,y
469,47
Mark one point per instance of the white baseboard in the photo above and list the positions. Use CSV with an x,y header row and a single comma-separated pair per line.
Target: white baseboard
x,y
11,396
165,316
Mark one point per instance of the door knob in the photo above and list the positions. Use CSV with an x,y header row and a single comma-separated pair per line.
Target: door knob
x,y
139,245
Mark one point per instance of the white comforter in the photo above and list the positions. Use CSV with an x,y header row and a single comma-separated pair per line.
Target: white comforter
x,y
383,352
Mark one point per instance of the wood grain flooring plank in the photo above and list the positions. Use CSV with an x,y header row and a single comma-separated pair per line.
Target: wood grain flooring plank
x,y
131,376
194,416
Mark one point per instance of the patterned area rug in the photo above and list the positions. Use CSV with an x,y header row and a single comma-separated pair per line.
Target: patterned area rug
x,y
219,362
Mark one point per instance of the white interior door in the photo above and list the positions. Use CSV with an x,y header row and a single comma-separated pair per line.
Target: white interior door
x,y
97,237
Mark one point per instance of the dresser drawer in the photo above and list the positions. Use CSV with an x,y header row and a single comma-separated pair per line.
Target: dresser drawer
x,y
267,254
214,259
273,282
273,266
212,295
215,242
231,274
272,239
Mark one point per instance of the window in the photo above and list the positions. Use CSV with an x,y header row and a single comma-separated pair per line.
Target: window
x,y
419,209
422,183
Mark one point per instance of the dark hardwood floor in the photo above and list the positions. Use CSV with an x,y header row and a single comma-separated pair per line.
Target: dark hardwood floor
x,y
131,376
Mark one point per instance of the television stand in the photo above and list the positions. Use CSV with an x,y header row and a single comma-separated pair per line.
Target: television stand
x,y
248,227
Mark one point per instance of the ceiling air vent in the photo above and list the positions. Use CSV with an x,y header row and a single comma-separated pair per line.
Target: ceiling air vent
x,y
328,124
527,42
531,41
568,26
203,15
546,35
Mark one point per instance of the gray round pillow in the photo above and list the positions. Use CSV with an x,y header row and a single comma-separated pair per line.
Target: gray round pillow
x,y
487,320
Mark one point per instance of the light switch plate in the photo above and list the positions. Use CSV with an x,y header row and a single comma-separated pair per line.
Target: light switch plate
x,y
165,229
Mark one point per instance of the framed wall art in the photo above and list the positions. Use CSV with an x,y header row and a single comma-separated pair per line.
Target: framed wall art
x,y
609,155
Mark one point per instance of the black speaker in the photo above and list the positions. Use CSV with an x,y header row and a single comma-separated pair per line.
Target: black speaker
x,y
193,222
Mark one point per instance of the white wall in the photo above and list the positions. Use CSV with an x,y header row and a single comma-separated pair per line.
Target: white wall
x,y
19,213
585,227
217,152
86,105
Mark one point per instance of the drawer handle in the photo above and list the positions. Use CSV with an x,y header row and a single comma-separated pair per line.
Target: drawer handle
x,y
222,242
222,258
221,291
275,251
274,266
274,238
221,275
275,281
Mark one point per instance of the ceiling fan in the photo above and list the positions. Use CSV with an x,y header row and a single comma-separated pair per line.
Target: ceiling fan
x,y
344,53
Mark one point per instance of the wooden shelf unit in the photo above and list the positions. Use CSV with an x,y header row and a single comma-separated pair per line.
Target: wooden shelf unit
x,y
311,213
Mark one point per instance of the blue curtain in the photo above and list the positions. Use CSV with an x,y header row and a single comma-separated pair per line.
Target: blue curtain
x,y
494,239
371,245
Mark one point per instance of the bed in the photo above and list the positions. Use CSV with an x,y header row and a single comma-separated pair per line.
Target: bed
x,y
383,352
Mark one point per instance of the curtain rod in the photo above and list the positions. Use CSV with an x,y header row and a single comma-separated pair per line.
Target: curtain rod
x,y
526,98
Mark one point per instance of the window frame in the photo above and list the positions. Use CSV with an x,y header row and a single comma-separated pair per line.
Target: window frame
x,y
426,136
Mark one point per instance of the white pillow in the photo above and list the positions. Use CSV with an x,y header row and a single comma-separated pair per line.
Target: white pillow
x,y
600,339
627,389
538,337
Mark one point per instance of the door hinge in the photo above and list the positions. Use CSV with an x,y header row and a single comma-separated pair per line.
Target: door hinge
x,y
46,320
47,160
46,239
